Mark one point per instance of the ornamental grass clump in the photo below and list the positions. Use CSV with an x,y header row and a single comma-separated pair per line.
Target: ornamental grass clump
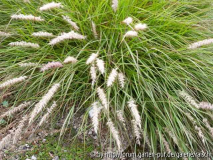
x,y
139,71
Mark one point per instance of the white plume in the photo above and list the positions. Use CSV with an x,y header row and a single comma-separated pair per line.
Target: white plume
x,y
200,43
94,114
26,17
102,97
13,81
114,5
24,44
50,6
94,30
114,133
73,24
70,59
42,34
131,34
189,99
121,79
67,36
135,113
93,74
128,20
91,58
46,116
140,26
100,65
43,102
4,34
112,77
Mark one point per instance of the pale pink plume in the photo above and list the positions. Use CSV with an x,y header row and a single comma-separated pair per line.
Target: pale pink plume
x,y
51,65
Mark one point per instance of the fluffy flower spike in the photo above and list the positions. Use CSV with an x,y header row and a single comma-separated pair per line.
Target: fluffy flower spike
x,y
206,105
73,24
19,129
114,133
114,5
189,99
50,6
135,113
121,117
26,17
16,109
46,116
136,132
200,43
131,34
43,102
112,77
128,20
66,36
42,34
30,64
51,65
93,74
94,30
100,65
140,26
102,97
12,82
24,44
94,114
91,58
121,79
4,34
70,59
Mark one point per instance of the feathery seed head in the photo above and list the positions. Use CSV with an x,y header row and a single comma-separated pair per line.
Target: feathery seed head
x,y
91,58
140,26
102,97
121,79
42,34
200,43
4,34
100,65
26,17
93,74
94,115
13,81
73,24
94,30
128,20
114,5
24,44
19,129
112,77
66,36
136,132
135,112
43,102
30,64
50,6
114,133
16,109
131,34
121,117
188,99
51,65
206,105
46,116
70,59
